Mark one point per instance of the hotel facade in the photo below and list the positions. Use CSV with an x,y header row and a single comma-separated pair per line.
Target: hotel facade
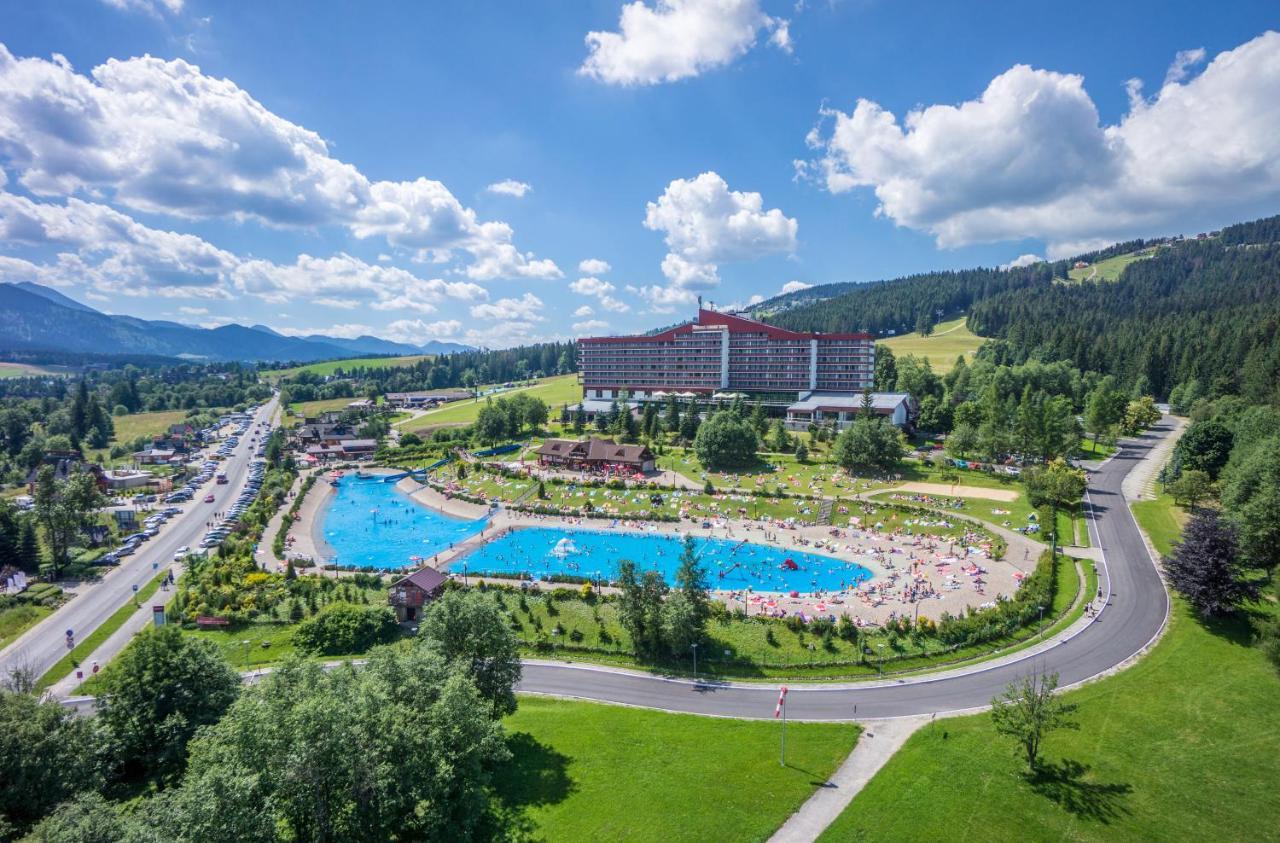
x,y
719,356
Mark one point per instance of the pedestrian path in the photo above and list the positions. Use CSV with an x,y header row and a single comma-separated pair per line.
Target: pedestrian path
x,y
880,739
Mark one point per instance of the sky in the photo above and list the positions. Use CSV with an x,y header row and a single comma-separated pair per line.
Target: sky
x,y
499,173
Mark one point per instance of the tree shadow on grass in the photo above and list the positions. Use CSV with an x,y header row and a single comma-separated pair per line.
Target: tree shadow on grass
x,y
536,774
1235,628
1064,782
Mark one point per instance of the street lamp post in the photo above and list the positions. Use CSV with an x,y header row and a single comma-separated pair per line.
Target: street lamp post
x,y
695,662
1041,608
881,648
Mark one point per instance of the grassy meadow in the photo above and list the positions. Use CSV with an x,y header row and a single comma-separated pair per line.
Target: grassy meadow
x,y
948,341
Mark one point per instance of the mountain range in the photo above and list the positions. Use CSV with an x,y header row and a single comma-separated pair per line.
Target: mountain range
x,y
37,318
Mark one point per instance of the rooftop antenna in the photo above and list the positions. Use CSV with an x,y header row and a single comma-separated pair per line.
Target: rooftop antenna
x,y
699,302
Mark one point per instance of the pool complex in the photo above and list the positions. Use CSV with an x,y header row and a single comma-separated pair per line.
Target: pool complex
x,y
369,522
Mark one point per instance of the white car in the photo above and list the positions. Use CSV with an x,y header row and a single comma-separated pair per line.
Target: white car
x,y
181,552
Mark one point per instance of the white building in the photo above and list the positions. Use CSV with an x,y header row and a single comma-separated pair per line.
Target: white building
x,y
840,408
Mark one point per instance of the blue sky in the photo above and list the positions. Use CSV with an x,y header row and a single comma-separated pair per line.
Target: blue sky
x,y
332,166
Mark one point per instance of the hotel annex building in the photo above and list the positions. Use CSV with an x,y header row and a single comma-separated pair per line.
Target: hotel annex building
x,y
816,377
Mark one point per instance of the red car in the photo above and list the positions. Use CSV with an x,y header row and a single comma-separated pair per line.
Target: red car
x,y
208,498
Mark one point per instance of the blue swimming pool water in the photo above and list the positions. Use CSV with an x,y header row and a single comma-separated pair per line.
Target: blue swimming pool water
x,y
730,565
369,522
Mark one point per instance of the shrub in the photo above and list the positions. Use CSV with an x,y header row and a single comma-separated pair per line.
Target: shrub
x,y
344,628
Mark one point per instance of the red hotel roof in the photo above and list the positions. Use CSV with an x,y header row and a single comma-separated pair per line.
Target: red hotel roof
x,y
734,324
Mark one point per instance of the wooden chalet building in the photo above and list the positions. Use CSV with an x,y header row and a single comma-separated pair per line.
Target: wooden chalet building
x,y
595,455
411,594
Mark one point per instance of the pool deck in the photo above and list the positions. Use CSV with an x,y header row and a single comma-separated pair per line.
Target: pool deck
x,y
887,556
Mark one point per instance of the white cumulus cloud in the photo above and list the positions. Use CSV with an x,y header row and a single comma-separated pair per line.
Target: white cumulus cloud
x,y
527,308
704,223
510,187
794,287
589,326
591,286
594,266
1022,260
1030,157
163,137
677,39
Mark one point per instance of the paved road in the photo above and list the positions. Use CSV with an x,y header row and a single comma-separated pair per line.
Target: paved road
x,y
1133,616
44,644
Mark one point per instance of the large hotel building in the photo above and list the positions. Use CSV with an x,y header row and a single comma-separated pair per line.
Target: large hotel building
x,y
719,355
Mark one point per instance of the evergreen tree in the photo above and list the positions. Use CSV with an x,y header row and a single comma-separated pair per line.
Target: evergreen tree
x,y
671,420
1205,568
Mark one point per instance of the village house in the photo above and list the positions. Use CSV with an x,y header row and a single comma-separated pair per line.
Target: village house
x,y
411,594
64,464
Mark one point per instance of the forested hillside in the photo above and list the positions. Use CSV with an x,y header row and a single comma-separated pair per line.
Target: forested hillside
x,y
1203,311
1204,314
896,306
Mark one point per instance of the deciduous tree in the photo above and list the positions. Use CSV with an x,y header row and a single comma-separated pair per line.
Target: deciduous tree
x,y
1029,710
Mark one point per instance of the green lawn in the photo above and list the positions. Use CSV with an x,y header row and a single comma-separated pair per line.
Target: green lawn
x,y
1091,450
329,367
757,648
91,642
22,370
941,348
1161,519
1184,745
132,426
18,619
315,408
585,771
1110,268
556,391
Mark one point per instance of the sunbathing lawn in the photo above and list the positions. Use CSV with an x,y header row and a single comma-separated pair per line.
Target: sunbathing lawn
x,y
753,654
585,771
1184,745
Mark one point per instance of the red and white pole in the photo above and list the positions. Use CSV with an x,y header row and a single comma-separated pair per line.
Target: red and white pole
x,y
781,710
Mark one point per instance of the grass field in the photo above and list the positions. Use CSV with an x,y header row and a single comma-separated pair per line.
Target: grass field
x,y
132,426
760,649
328,367
1110,268
18,619
941,348
585,771
1185,745
557,391
1161,520
22,370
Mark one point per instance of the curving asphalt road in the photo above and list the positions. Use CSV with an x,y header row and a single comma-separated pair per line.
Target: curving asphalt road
x,y
1133,616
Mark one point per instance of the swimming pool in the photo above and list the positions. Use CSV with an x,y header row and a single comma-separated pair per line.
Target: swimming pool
x,y
730,565
369,522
